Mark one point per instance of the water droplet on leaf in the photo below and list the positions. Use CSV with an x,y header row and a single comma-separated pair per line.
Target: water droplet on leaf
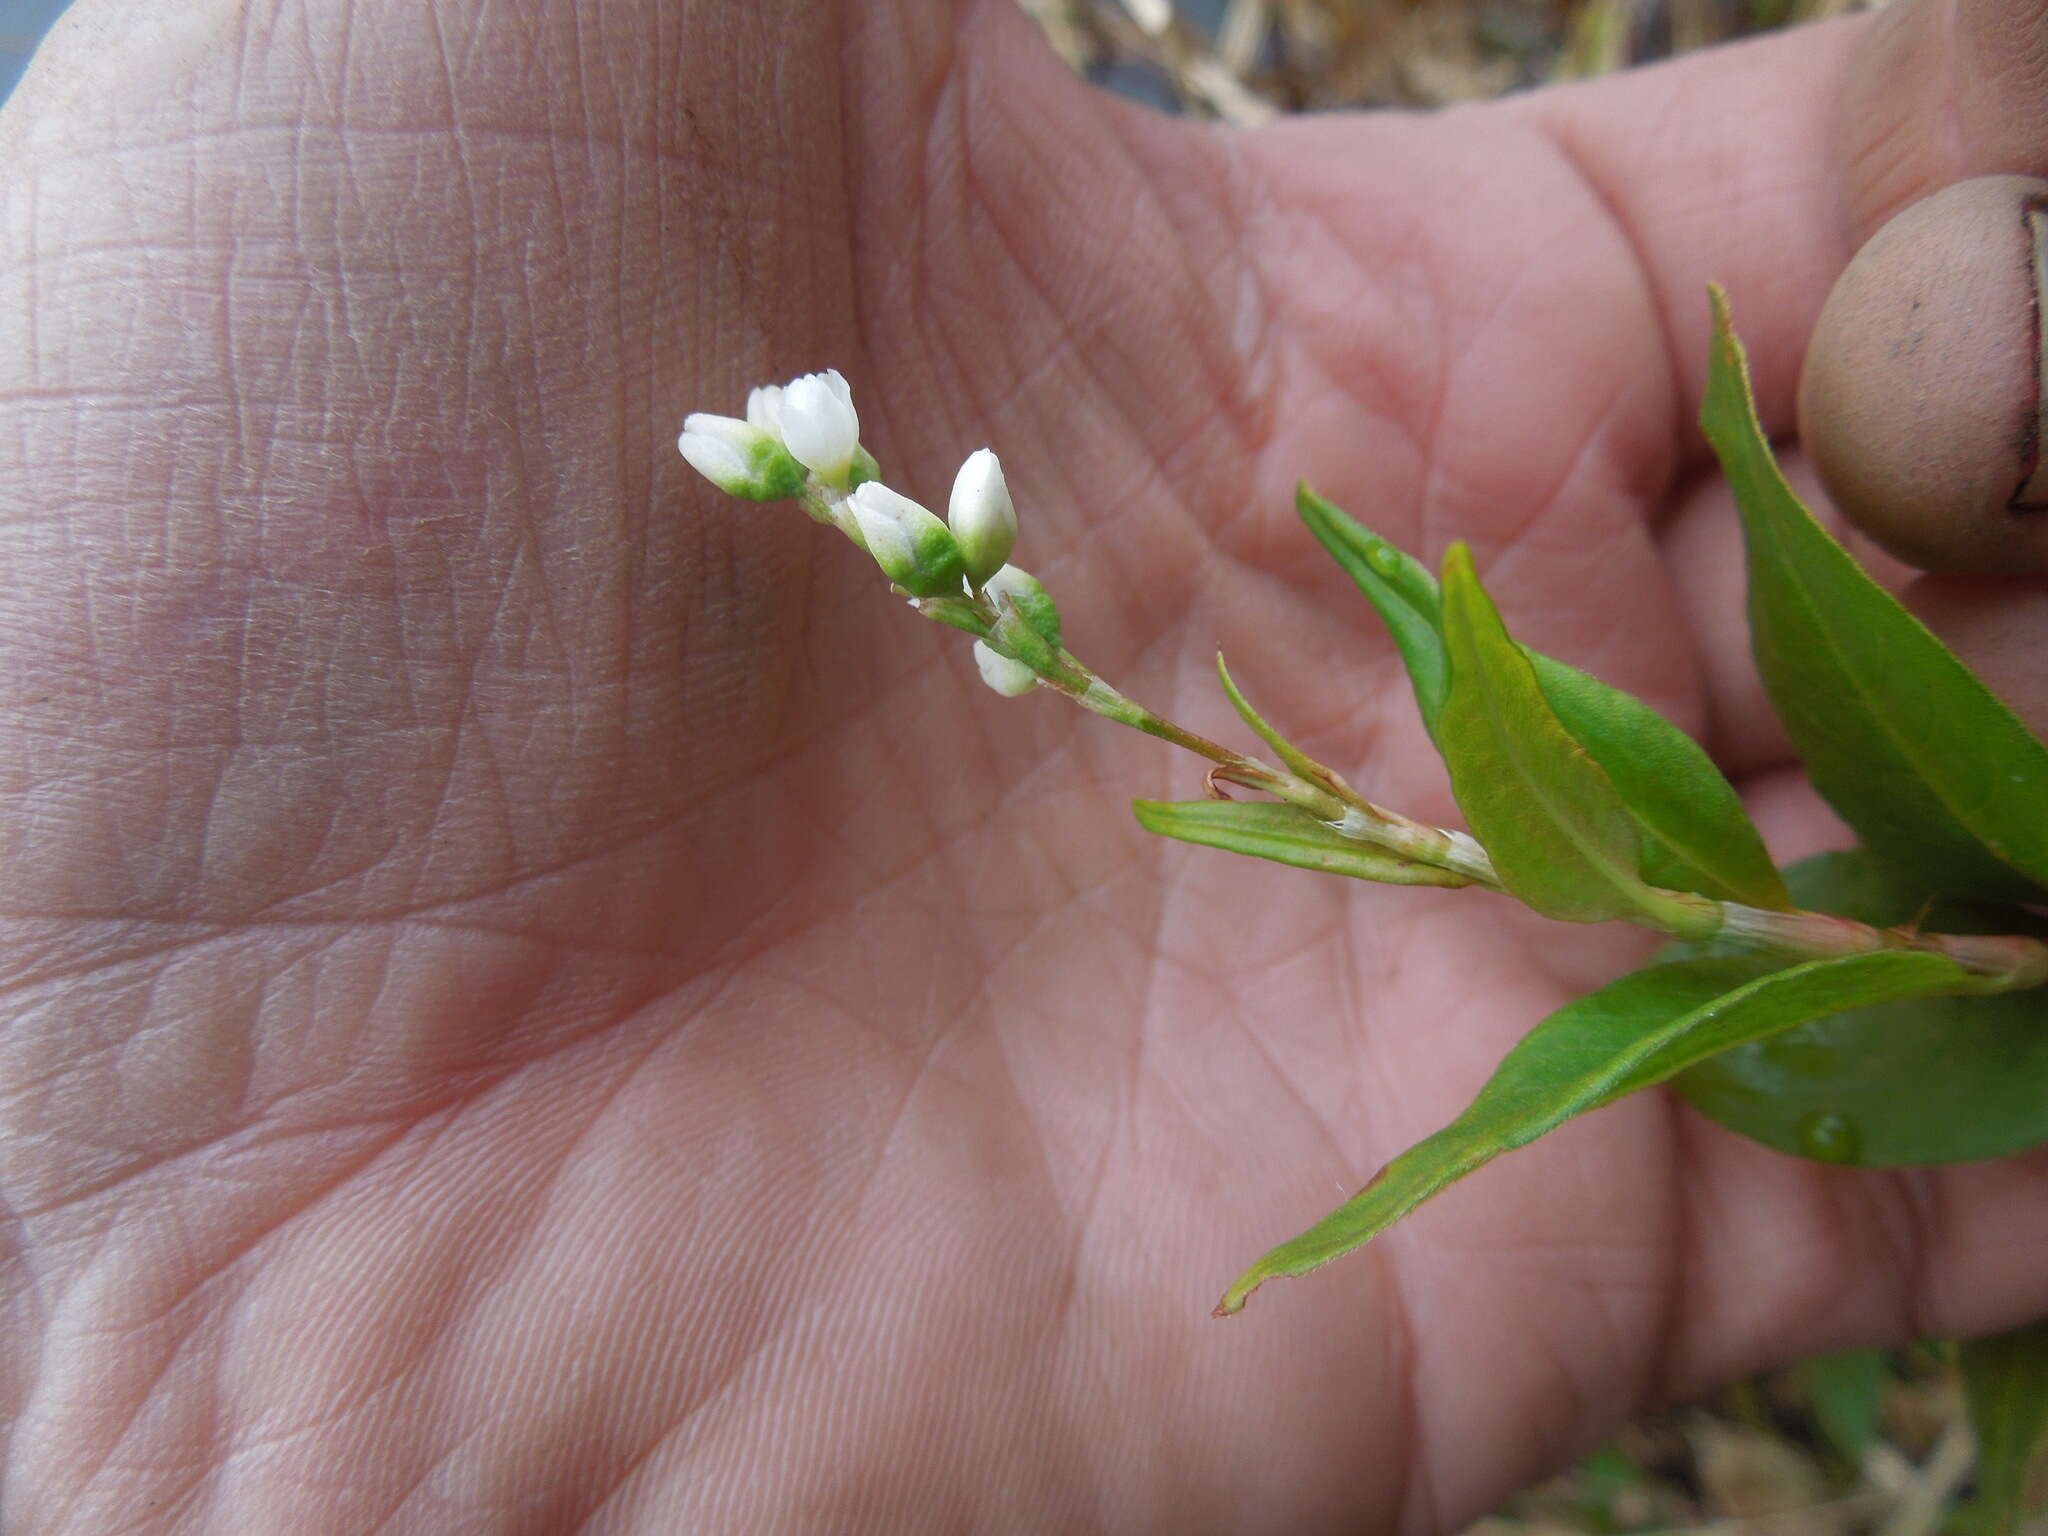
x,y
1384,558
1830,1137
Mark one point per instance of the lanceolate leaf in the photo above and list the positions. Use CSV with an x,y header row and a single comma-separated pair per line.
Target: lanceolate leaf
x,y
1399,586
1287,835
1630,1034
1297,761
1695,834
1931,769
2006,1381
1560,837
1930,1080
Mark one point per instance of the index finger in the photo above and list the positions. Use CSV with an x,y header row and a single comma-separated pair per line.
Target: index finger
x,y
1763,165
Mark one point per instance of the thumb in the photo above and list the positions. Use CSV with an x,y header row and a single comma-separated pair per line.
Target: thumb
x,y
1942,90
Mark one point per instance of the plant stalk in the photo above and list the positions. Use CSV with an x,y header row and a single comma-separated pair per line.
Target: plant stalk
x,y
2000,962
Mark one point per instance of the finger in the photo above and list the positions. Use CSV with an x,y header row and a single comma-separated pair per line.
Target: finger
x,y
1791,1260
1722,167
1942,90
1763,166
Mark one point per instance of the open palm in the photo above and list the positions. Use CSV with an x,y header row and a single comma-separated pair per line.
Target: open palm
x,y
537,999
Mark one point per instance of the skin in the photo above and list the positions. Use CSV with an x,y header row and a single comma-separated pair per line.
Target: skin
x,y
537,999
1919,402
1997,625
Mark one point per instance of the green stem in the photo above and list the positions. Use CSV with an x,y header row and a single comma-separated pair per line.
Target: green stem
x,y
2006,962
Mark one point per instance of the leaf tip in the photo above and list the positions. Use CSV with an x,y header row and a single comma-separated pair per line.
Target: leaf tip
x,y
1727,345
1460,585
1239,1293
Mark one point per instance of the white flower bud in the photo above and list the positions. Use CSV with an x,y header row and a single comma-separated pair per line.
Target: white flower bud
x,y
1012,587
739,457
914,549
819,424
1007,677
983,517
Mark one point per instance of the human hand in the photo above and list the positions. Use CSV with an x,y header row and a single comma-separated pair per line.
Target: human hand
x,y
536,1000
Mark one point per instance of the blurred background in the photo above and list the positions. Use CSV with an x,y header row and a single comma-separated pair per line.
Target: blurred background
x,y
1243,61
1863,1442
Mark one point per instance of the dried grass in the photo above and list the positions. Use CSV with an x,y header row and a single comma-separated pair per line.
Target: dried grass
x,y
1243,61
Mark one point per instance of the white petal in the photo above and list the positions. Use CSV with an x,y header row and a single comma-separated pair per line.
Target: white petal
x,y
713,457
730,428
764,408
819,424
1005,674
882,526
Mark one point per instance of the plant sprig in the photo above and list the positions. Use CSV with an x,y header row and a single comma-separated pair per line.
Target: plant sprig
x,y
1533,777
1582,802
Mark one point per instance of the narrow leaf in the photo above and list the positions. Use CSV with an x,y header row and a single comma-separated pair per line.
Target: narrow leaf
x,y
1696,835
1398,586
1630,1034
2005,1379
1285,834
1929,767
1299,761
1560,838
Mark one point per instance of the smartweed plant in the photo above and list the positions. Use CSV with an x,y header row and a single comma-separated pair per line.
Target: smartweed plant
x,y
1878,1007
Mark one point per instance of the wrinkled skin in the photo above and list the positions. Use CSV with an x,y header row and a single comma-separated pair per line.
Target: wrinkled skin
x,y
537,999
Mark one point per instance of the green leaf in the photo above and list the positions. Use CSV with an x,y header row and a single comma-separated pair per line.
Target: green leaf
x,y
1398,586
1695,834
1935,1080
1630,1034
1847,1391
2005,1379
1285,834
1560,837
1302,765
1930,768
